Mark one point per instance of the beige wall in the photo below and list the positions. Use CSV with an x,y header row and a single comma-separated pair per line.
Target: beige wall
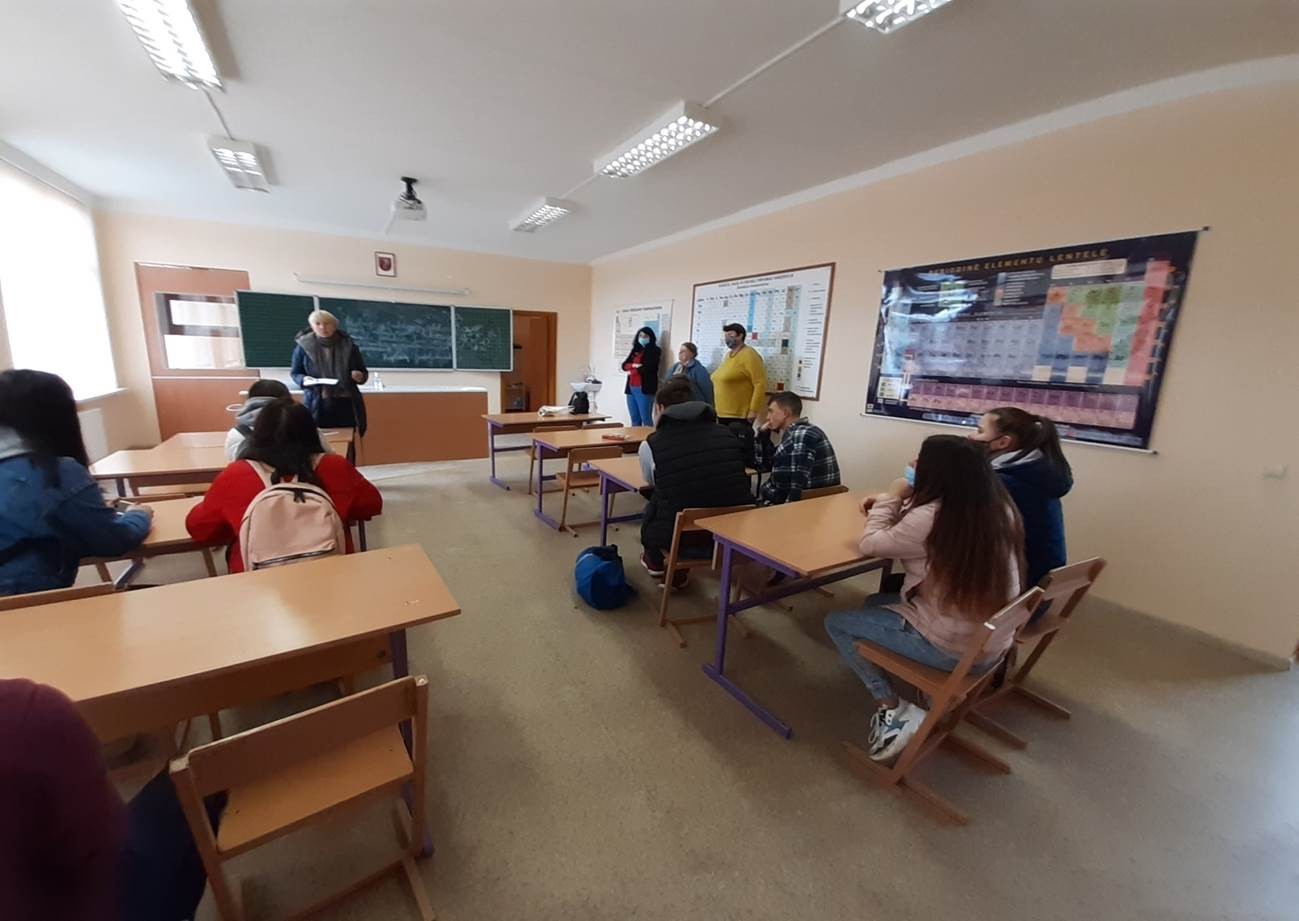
x,y
271,257
1194,534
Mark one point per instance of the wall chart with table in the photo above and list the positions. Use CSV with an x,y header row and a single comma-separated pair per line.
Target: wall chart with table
x,y
1079,334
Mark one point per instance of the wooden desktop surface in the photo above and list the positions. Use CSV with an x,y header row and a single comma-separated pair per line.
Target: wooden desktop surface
x,y
176,458
624,470
157,638
334,438
168,529
809,537
514,419
586,438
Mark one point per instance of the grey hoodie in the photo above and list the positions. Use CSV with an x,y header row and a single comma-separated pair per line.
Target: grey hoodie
x,y
247,416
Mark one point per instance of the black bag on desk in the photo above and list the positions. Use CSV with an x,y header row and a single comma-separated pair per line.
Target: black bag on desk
x,y
580,403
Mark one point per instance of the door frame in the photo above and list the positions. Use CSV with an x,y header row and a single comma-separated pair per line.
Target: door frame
x,y
552,343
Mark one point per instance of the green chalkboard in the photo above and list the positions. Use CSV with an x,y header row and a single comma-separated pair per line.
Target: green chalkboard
x,y
269,323
396,335
484,339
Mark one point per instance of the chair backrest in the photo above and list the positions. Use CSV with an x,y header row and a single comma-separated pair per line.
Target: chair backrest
x,y
275,747
1071,581
687,517
579,457
1011,618
35,599
823,491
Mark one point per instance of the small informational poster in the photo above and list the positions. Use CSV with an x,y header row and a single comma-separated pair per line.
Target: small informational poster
x,y
1079,334
785,315
627,320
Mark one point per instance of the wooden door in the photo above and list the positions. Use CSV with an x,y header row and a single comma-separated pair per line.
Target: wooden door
x,y
531,384
188,399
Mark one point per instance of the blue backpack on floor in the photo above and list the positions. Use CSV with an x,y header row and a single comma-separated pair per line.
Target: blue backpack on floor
x,y
600,580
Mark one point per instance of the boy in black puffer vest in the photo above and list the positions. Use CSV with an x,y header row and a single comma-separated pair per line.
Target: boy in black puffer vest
x,y
691,462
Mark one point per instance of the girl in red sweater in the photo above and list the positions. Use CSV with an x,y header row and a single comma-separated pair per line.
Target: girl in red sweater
x,y
284,438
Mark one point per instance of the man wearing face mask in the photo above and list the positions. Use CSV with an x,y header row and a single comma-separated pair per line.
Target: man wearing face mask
x,y
740,381
801,459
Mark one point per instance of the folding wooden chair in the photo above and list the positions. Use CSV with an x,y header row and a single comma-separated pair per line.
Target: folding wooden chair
x,y
823,491
951,695
1065,588
35,599
685,524
280,776
575,477
532,450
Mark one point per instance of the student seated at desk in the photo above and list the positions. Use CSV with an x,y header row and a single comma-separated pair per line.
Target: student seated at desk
x,y
260,394
69,849
51,512
1025,451
959,540
802,459
691,462
286,440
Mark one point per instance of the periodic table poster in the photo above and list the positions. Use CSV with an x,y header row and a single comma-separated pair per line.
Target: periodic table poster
x,y
1079,334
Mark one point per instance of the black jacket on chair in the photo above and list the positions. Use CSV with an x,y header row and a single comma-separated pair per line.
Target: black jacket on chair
x,y
697,464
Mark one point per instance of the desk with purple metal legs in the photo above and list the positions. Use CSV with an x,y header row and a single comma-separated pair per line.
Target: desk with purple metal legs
x,y
524,424
812,543
558,444
617,474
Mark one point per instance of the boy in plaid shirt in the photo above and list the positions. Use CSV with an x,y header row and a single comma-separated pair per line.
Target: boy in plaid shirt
x,y
803,459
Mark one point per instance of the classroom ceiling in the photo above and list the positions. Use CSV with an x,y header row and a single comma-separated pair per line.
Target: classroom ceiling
x,y
494,105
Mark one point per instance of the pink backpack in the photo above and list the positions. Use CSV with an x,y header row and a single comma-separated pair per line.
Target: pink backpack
x,y
289,522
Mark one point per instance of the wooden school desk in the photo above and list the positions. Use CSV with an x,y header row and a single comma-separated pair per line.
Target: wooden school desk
x,y
522,424
338,440
622,474
558,444
167,535
135,661
812,542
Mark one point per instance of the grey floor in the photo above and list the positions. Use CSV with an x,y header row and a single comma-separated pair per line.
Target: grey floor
x,y
583,767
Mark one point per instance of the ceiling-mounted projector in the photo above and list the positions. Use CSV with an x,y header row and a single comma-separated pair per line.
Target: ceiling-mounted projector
x,y
407,206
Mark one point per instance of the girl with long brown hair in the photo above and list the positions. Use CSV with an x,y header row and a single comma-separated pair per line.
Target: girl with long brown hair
x,y
958,538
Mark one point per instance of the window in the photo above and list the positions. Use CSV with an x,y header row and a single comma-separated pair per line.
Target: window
x,y
51,298
199,332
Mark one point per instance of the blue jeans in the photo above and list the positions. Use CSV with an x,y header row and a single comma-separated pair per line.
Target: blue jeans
x,y
641,407
877,624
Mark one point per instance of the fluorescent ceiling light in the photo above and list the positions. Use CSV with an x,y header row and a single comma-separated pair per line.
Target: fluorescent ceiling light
x,y
171,33
887,15
678,128
242,166
546,212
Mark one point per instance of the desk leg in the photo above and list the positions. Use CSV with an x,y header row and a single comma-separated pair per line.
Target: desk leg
x,y
541,485
401,669
717,668
604,510
491,451
360,536
121,486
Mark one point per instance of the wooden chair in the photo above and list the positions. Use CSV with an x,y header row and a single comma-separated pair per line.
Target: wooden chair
x,y
283,775
823,491
35,599
1065,588
575,477
685,524
951,695
532,451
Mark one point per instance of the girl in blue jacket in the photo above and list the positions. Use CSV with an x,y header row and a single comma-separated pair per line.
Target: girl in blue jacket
x,y
51,512
1025,451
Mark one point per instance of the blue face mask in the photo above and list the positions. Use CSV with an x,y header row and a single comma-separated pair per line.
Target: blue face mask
x,y
642,340
909,474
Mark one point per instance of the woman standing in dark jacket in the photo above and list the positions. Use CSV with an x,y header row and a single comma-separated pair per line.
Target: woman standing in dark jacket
x,y
51,512
1025,451
325,351
642,367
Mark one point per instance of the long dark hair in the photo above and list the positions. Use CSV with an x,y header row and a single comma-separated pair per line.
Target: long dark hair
x,y
635,344
976,531
1031,433
284,438
40,407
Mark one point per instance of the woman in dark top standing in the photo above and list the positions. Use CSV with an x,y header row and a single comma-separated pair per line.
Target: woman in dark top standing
x,y
642,367
325,351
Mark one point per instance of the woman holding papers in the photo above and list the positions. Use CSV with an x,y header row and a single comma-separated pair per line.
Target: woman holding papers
x,y
329,367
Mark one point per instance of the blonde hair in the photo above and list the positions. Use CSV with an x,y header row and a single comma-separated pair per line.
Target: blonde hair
x,y
319,316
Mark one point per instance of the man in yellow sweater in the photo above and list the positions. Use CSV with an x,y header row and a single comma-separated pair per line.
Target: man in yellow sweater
x,y
740,381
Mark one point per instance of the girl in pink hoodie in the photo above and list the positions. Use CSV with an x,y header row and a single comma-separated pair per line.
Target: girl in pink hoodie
x,y
958,538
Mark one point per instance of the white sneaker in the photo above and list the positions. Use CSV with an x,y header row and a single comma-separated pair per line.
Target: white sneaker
x,y
892,729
